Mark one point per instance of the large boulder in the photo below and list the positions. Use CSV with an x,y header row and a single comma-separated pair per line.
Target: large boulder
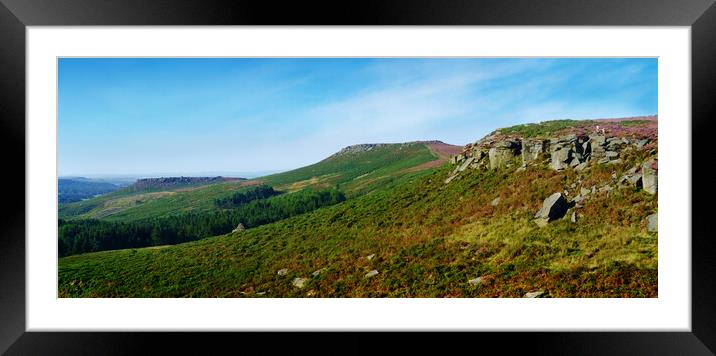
x,y
649,176
532,149
502,152
561,157
554,207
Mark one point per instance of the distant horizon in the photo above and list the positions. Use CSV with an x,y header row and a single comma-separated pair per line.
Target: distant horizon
x,y
224,174
157,117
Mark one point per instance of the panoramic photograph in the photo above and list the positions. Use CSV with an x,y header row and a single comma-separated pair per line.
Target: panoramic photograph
x,y
357,178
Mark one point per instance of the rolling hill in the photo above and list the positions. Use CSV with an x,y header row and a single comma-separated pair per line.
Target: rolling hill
x,y
556,209
353,171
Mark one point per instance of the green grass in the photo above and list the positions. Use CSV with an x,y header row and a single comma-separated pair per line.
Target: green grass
x,y
429,240
544,128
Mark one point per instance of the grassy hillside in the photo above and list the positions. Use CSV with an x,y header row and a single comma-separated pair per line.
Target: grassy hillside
x,y
128,204
424,238
353,173
356,173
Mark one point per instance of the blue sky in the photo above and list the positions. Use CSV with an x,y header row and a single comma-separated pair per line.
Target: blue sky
x,y
160,116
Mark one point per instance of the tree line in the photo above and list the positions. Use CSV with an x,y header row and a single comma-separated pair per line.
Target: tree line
x,y
80,236
246,196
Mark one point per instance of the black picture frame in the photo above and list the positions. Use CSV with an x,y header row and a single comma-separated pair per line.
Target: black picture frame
x,y
16,15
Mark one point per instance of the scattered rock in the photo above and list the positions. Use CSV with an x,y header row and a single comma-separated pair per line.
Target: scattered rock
x,y
495,201
282,272
317,272
652,223
649,171
574,217
457,158
464,165
370,257
475,281
581,166
260,293
616,161
535,294
554,207
605,188
238,228
584,191
641,143
299,282
371,274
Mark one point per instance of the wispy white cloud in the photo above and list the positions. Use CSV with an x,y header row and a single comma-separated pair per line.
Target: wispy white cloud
x,y
265,120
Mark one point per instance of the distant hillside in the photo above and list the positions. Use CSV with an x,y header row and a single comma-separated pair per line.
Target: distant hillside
x,y
360,172
555,209
72,190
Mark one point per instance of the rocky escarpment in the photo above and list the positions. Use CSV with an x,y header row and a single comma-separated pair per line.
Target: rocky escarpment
x,y
576,148
364,147
171,182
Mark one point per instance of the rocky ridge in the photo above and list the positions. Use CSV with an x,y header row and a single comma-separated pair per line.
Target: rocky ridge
x,y
578,148
364,147
169,182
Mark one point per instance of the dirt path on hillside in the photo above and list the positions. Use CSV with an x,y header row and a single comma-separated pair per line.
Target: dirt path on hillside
x,y
442,150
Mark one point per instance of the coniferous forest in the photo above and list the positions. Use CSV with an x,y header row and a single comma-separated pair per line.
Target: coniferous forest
x,y
253,207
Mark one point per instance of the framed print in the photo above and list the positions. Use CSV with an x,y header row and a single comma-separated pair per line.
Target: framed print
x,y
496,175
